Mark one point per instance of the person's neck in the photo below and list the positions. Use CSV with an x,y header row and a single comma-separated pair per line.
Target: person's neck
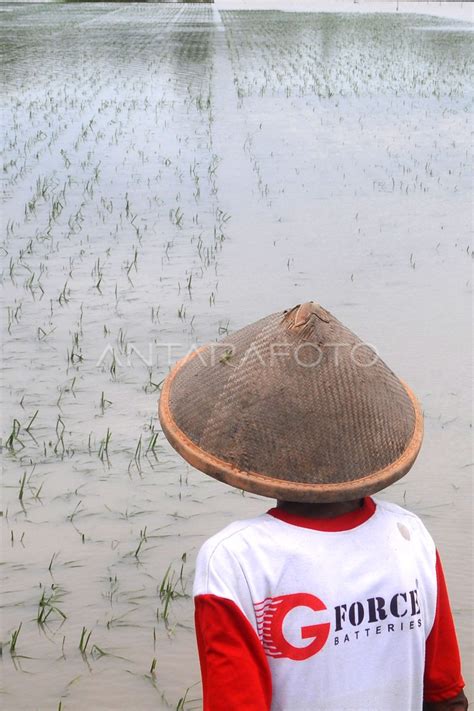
x,y
319,510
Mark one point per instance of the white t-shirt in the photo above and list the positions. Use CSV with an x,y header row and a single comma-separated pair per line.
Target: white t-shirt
x,y
302,614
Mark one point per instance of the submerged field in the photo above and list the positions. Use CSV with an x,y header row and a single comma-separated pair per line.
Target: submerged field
x,y
170,174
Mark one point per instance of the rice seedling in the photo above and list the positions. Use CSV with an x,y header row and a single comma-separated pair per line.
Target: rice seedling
x,y
176,216
104,403
103,453
60,447
153,443
142,540
13,315
22,487
48,605
183,701
151,386
168,589
36,492
13,438
84,640
137,456
113,366
134,262
97,652
53,557
113,589
63,297
14,639
41,333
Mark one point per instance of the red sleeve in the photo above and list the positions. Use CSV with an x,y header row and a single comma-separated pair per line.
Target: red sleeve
x,y
443,679
234,667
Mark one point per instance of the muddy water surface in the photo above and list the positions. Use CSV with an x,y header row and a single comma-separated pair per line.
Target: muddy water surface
x,y
170,174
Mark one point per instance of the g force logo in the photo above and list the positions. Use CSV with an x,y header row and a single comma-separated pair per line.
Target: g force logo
x,y
271,614
285,621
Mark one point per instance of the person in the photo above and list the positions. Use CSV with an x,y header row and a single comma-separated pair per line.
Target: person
x,y
334,598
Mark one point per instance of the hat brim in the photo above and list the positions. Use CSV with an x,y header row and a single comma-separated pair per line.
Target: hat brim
x,y
264,485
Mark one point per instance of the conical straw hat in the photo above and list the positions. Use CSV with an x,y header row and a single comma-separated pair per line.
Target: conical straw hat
x,y
293,406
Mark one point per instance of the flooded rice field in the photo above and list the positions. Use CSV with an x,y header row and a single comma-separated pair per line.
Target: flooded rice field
x,y
171,173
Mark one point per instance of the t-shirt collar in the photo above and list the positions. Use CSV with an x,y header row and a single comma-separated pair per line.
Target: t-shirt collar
x,y
343,522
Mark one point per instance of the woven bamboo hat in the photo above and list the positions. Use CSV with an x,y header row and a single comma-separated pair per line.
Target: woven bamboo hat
x,y
294,406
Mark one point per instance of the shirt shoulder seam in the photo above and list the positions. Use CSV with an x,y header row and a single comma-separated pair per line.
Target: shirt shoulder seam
x,y
221,541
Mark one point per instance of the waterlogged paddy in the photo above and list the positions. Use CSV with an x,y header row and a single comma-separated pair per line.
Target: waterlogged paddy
x,y
170,174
